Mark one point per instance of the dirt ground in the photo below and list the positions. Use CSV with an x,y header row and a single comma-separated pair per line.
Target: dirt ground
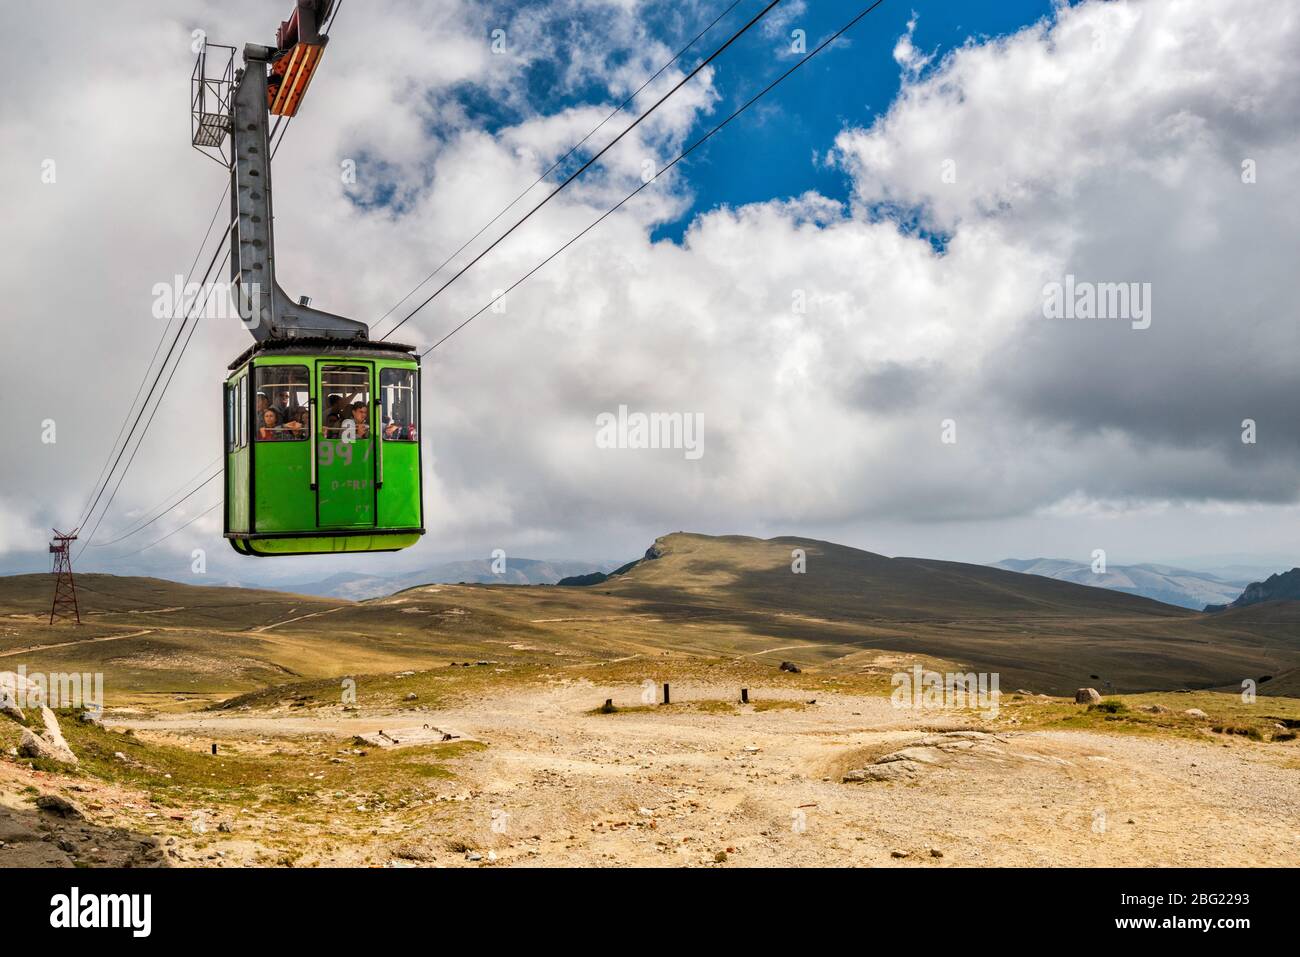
x,y
700,783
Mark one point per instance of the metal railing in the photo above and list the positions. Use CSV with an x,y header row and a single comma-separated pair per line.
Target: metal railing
x,y
211,90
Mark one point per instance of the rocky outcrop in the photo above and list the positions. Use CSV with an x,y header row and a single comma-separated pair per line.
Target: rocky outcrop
x,y
54,804
1087,696
891,771
931,751
1284,586
48,743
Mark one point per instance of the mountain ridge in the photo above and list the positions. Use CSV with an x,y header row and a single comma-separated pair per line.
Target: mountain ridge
x,y
1165,583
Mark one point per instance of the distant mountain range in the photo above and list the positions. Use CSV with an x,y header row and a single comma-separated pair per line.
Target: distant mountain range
x,y
1284,586
1173,586
518,571
1163,583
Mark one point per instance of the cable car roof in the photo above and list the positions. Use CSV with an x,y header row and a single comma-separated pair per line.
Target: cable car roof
x,y
322,346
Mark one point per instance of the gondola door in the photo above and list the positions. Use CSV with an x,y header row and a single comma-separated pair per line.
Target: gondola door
x,y
344,445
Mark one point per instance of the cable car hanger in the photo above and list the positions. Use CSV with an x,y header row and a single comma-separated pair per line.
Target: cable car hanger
x,y
239,103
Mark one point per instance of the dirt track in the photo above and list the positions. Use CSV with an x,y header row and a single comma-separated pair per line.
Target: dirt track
x,y
557,785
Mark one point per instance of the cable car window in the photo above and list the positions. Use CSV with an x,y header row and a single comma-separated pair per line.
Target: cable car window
x,y
243,411
282,401
347,402
230,418
397,392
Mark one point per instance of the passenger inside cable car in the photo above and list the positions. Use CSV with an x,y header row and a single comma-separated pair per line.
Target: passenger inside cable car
x,y
334,413
361,415
285,391
270,427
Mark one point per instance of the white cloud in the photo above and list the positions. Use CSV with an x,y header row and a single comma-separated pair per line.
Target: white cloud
x,y
906,55
1106,142
17,530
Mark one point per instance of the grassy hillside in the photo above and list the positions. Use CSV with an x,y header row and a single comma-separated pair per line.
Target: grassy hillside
x,y
1046,634
848,583
850,612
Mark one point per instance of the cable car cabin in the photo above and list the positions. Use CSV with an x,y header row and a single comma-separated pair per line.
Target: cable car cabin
x,y
323,448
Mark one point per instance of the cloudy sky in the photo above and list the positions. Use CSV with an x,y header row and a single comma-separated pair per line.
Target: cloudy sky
x,y
847,283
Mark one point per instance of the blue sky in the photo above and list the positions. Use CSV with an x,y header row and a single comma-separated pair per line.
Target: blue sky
x,y
768,151
773,150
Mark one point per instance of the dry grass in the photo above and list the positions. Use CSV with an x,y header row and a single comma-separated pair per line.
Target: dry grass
x,y
1128,714
302,778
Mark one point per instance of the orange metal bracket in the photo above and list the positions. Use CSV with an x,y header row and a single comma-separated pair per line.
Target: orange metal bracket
x,y
294,73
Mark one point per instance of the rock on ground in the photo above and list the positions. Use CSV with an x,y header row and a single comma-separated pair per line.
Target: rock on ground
x,y
58,805
48,744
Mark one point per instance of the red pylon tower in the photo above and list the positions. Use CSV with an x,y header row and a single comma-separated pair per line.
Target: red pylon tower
x,y
65,592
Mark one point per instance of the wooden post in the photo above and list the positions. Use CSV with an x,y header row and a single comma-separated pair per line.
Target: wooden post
x,y
214,747
744,696
667,700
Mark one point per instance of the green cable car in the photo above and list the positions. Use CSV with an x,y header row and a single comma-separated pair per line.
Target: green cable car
x,y
323,448
322,424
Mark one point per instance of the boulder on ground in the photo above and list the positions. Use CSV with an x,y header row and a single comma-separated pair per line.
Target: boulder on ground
x,y
33,745
790,666
1087,696
1195,713
58,805
48,744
